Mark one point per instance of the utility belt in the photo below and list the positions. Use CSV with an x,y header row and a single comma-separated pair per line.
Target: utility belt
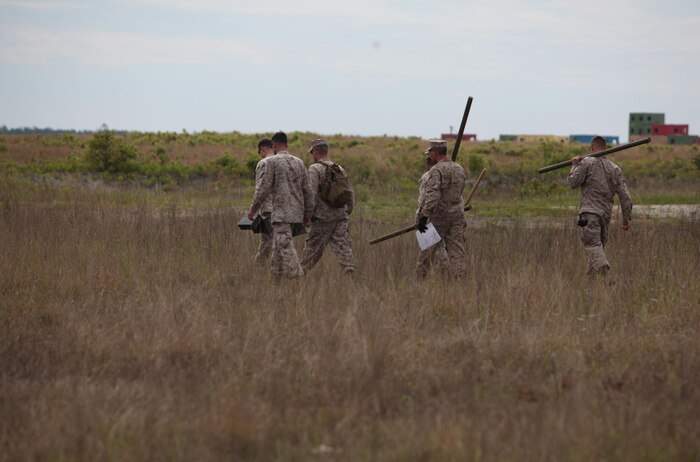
x,y
582,221
317,219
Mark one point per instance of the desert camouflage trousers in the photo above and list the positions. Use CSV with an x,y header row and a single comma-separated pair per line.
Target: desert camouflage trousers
x,y
264,249
335,233
454,241
594,236
435,256
285,261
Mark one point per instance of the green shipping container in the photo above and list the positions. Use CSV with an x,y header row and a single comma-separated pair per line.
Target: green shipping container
x,y
508,138
641,122
683,139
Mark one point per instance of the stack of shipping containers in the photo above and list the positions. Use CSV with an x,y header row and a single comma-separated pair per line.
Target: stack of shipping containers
x,y
641,124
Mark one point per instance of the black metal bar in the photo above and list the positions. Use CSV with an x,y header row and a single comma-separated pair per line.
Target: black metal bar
x,y
455,151
622,147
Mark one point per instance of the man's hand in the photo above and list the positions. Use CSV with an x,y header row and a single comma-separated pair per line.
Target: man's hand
x,y
626,225
307,222
251,216
422,225
576,160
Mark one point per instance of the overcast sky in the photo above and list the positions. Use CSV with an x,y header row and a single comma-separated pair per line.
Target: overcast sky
x,y
366,67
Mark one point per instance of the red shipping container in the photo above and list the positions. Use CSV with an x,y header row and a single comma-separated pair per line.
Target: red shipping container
x,y
669,129
453,136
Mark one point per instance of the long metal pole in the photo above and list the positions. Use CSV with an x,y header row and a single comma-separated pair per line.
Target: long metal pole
x,y
476,185
622,147
402,231
455,151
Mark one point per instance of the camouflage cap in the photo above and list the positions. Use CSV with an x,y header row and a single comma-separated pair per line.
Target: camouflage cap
x,y
317,143
436,144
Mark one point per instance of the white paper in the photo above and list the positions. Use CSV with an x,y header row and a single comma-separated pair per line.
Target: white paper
x,y
429,238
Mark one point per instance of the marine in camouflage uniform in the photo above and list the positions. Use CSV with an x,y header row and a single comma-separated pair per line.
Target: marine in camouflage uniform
x,y
443,205
436,255
599,179
287,182
265,247
329,225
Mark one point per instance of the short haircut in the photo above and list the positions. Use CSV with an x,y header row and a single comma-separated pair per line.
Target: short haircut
x,y
599,143
264,143
279,137
322,149
440,150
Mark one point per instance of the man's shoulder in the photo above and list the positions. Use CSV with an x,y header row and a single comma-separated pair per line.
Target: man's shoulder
x,y
448,166
296,159
612,164
339,166
285,158
321,165
457,167
591,160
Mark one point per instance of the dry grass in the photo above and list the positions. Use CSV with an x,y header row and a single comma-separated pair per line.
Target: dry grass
x,y
141,333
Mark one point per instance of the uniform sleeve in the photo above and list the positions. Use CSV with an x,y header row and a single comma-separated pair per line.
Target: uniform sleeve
x,y
351,206
624,195
577,175
421,194
259,174
432,193
309,195
264,178
313,184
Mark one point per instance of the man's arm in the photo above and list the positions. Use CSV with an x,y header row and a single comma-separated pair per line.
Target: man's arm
x,y
309,196
577,175
432,194
314,181
351,206
625,199
264,178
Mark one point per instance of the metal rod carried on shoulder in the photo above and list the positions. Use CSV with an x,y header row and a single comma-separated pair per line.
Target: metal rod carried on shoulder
x,y
622,147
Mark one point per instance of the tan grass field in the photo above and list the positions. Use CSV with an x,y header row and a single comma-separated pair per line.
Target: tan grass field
x,y
137,332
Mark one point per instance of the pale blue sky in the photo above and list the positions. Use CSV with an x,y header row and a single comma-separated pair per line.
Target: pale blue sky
x,y
366,67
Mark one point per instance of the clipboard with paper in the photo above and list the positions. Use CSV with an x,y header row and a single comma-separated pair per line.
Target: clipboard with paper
x,y
429,238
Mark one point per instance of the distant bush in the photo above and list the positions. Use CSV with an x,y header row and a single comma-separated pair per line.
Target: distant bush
x,y
553,153
251,161
225,164
107,153
476,163
162,155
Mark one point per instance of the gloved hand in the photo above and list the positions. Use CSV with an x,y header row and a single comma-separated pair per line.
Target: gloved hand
x,y
422,224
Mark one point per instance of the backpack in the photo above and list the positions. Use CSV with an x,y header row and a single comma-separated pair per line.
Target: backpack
x,y
335,189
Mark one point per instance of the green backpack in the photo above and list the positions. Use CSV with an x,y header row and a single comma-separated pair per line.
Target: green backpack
x,y
335,188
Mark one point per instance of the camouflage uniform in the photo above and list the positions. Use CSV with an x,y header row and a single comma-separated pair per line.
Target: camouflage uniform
x,y
435,255
330,226
442,203
599,179
287,182
265,247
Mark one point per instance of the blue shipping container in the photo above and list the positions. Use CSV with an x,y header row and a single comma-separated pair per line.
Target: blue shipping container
x,y
586,139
